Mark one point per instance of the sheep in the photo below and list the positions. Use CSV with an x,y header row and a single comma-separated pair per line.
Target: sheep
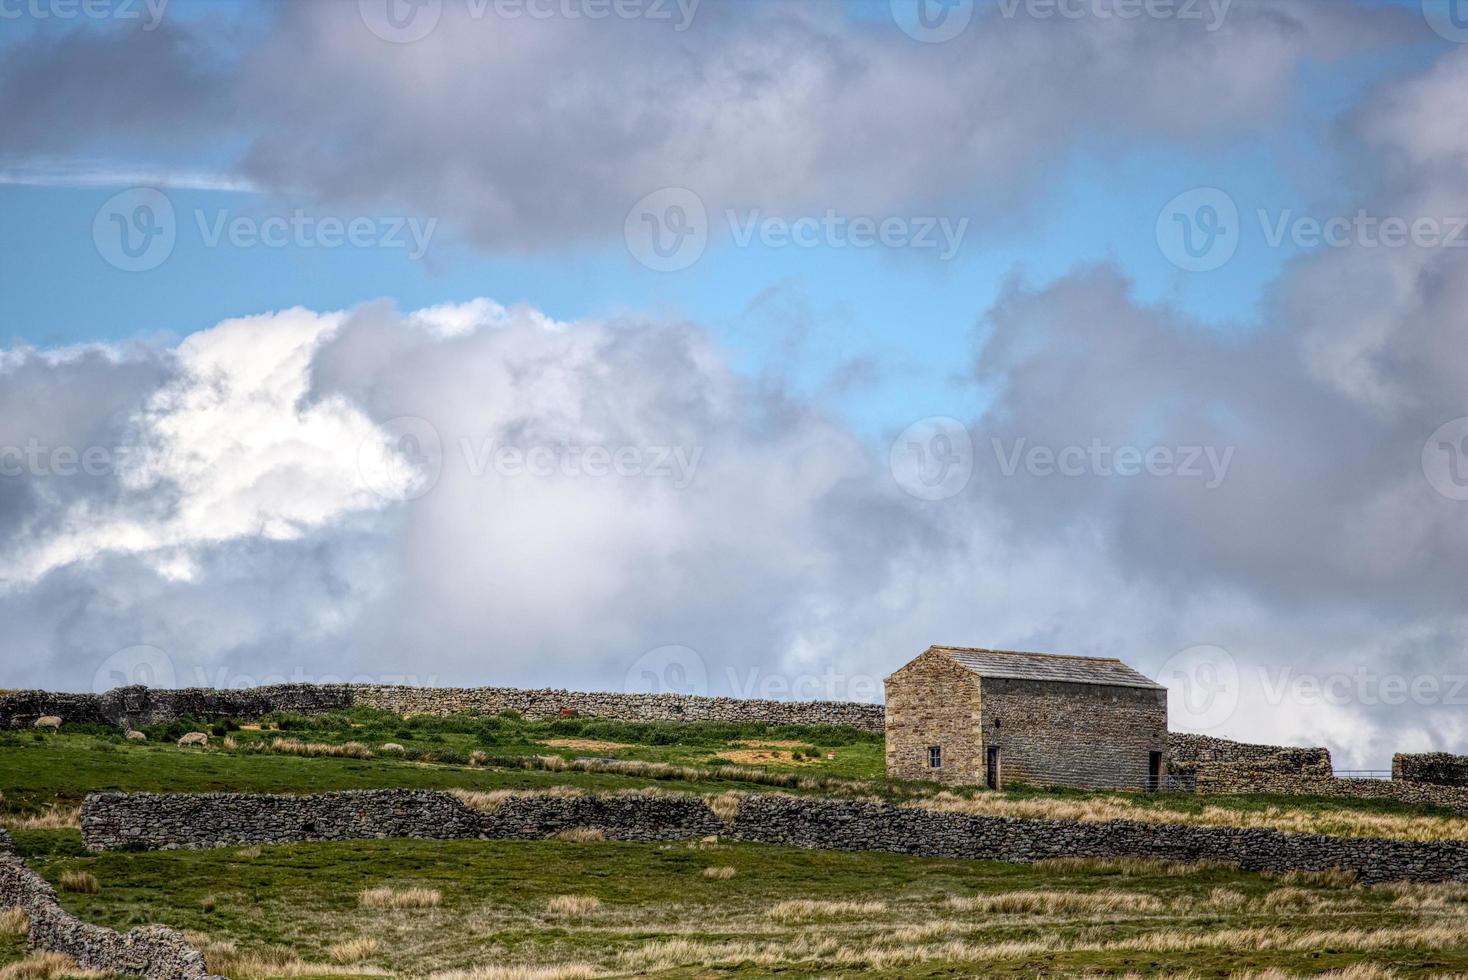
x,y
135,736
194,738
392,747
49,721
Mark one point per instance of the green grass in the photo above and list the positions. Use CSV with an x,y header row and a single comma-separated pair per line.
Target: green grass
x,y
300,899
296,901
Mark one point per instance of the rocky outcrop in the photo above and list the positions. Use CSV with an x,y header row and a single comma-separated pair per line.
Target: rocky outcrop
x,y
209,820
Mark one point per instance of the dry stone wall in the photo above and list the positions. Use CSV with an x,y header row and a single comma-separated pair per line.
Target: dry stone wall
x,y
152,951
135,706
1187,753
1437,768
209,820
1249,778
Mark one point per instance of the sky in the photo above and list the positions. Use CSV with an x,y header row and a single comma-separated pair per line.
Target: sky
x,y
742,348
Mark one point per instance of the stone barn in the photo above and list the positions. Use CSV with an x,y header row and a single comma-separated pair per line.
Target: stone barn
x,y
996,717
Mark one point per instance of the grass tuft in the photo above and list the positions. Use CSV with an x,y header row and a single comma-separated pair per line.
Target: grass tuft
x,y
80,883
406,898
572,906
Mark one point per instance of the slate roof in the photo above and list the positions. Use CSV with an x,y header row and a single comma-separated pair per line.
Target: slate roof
x,y
1016,665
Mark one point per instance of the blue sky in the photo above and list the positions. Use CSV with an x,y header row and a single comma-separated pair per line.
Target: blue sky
x,y
1075,260
1096,203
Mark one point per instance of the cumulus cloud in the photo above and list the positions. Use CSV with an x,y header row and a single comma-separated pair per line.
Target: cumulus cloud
x,y
577,494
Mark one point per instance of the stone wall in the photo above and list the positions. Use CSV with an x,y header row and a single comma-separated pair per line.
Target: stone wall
x,y
1437,768
168,821
137,705
1246,777
1187,752
172,821
152,951
1053,733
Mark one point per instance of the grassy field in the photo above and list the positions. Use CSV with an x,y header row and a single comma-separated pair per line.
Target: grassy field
x,y
592,908
50,774
658,910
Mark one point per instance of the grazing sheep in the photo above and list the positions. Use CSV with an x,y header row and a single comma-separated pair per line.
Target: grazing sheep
x,y
135,736
392,747
194,738
49,721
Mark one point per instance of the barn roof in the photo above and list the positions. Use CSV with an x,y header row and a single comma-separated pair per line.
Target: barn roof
x,y
1017,665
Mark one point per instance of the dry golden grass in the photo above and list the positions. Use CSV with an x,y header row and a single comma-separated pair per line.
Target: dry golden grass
x,y
1057,903
1290,900
582,835
563,971
13,922
585,744
225,959
488,801
1420,895
1339,822
45,966
55,818
570,906
354,950
80,883
1227,898
478,759
719,874
726,806
400,898
801,909
293,746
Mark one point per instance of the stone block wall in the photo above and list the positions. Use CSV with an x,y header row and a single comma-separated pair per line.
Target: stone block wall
x,y
137,705
1436,768
1053,733
169,821
152,951
933,702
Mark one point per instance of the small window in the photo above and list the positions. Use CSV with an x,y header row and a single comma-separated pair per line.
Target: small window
x,y
935,757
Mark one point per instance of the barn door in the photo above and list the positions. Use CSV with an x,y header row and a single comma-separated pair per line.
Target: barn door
x,y
991,768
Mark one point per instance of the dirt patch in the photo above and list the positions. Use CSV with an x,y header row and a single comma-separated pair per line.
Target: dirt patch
x,y
756,757
585,744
